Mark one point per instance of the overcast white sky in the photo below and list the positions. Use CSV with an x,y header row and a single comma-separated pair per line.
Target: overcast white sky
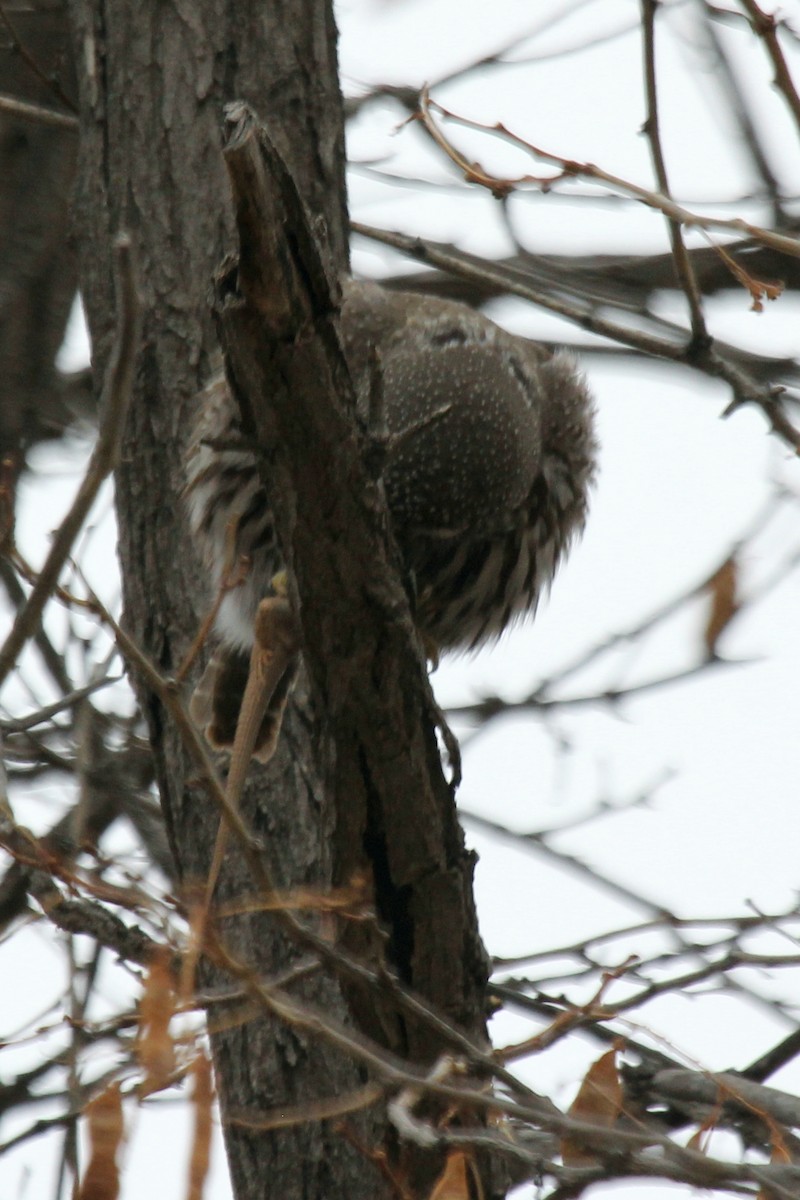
x,y
677,489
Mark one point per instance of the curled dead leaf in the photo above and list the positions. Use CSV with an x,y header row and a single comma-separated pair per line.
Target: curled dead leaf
x,y
106,1131
154,1047
454,1181
759,289
722,587
598,1102
202,1101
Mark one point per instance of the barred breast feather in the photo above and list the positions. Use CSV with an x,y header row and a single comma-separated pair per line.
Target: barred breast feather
x,y
486,477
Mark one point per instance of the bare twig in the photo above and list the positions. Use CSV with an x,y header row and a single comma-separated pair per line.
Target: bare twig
x,y
45,714
746,390
30,61
572,169
680,258
36,112
52,658
116,395
765,25
739,107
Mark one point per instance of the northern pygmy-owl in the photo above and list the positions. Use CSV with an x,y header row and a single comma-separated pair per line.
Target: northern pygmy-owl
x,y
487,472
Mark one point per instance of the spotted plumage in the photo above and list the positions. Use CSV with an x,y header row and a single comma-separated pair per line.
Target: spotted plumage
x,y
486,478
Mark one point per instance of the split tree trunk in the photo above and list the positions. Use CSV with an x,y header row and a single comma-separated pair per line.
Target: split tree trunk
x,y
356,784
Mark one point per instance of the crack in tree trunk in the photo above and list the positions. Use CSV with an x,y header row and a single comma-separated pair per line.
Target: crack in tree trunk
x,y
358,744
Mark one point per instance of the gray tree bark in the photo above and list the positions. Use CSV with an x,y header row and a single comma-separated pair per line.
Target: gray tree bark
x,y
357,784
38,268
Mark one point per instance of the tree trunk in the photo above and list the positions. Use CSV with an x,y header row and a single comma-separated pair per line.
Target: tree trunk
x,y
38,271
337,798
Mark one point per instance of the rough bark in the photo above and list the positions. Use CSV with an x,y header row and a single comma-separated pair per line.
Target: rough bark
x,y
154,81
38,269
153,84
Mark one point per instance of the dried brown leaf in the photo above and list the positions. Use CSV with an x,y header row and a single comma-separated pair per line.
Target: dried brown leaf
x,y
779,1154
155,1047
197,914
202,1100
699,1140
759,289
106,1130
453,1183
598,1102
722,587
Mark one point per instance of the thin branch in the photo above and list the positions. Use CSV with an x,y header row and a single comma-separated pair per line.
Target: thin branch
x,y
19,47
572,169
738,106
746,390
115,399
311,1110
766,27
383,982
37,112
674,1162
46,714
545,695
502,282
680,258
52,658
537,843
775,1058
581,950
493,706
